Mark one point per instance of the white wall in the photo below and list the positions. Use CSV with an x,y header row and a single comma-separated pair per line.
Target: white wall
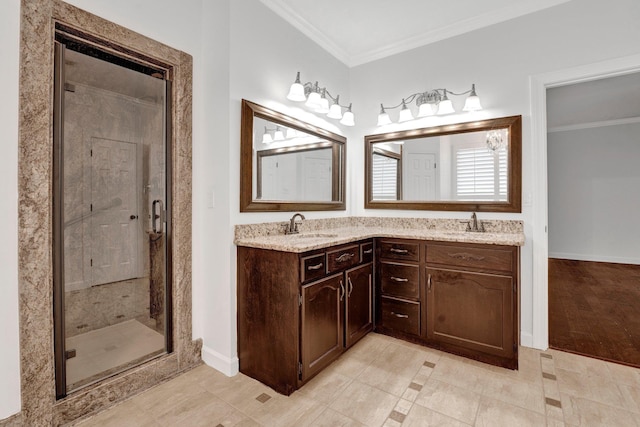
x,y
593,194
9,352
242,50
500,60
265,53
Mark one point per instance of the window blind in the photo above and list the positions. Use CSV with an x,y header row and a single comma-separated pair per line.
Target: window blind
x,y
480,174
385,177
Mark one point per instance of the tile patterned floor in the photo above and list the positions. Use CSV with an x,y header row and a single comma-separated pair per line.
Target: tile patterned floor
x,y
386,382
110,348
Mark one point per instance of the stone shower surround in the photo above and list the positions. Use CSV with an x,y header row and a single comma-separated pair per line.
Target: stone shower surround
x,y
35,178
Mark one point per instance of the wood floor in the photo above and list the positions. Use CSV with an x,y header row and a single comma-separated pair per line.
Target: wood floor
x,y
594,309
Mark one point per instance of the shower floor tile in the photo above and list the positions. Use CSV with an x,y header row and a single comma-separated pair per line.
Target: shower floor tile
x,y
110,349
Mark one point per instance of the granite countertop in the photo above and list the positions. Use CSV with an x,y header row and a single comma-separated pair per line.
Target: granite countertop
x,y
325,237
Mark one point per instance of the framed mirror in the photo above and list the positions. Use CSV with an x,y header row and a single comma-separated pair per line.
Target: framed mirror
x,y
474,166
289,165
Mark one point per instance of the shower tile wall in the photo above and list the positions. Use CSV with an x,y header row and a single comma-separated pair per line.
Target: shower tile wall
x,y
96,113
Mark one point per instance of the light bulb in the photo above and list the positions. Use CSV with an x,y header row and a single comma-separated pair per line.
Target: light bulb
x,y
445,106
427,109
278,135
324,103
473,101
296,92
335,112
383,117
313,101
266,137
291,133
405,113
348,118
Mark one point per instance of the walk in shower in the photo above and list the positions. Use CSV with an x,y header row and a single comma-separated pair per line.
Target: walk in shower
x,y
111,204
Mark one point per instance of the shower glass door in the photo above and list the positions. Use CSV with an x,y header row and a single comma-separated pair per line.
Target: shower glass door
x,y
111,228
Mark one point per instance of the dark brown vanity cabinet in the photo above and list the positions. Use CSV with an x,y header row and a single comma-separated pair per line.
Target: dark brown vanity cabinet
x,y
459,297
298,312
398,278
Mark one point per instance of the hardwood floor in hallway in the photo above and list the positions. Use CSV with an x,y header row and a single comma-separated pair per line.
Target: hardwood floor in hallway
x,y
594,309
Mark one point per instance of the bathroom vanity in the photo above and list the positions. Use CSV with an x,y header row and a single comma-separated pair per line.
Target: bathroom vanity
x,y
304,299
297,312
456,296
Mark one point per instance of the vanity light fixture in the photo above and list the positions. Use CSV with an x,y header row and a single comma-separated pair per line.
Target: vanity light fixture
x,y
278,134
320,100
430,102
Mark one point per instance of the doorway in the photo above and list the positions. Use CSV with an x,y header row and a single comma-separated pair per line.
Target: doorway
x,y
111,200
594,266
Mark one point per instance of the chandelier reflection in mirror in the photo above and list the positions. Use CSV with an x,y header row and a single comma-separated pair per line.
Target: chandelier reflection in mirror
x,y
320,100
496,139
429,103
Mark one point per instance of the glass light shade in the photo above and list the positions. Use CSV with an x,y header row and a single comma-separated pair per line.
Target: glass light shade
x,y
472,103
427,109
266,138
278,135
405,114
313,101
291,133
335,112
324,106
384,119
348,119
445,107
296,93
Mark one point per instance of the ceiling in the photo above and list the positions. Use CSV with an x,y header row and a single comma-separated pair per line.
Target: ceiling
x,y
361,31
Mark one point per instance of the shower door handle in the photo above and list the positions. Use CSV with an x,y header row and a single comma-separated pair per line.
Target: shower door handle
x,y
156,215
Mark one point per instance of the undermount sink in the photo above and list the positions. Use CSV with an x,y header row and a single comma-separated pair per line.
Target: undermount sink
x,y
315,235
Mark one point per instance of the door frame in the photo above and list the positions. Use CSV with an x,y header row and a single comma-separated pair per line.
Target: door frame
x,y
35,207
538,85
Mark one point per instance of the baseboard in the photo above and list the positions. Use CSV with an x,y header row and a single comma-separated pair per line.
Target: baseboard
x,y
226,365
526,339
595,258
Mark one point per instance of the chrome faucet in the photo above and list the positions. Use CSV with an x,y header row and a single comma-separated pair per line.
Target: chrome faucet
x,y
293,225
474,225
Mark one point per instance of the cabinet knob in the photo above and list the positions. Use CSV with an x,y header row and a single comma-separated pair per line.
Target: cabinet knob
x,y
399,251
400,315
315,267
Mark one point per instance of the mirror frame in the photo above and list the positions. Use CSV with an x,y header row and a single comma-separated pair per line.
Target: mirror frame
x,y
513,204
247,202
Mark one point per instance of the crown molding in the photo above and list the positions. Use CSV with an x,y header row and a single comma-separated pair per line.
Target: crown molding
x,y
282,9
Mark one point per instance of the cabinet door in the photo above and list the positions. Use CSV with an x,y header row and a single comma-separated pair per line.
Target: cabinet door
x,y
471,310
322,324
359,306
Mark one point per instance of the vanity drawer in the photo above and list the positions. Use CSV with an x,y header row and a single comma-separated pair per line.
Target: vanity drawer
x,y
407,251
366,252
401,316
342,258
401,280
312,267
498,258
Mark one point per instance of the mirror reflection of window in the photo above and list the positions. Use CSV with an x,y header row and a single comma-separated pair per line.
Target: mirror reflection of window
x,y
386,175
480,174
